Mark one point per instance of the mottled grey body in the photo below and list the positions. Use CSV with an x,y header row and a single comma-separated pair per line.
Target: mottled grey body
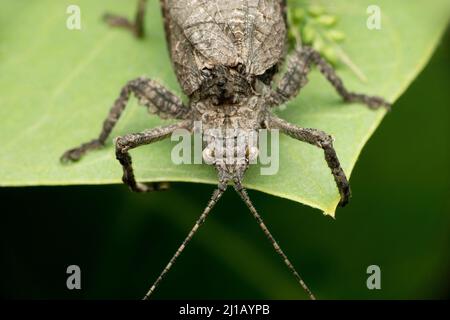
x,y
225,55
231,41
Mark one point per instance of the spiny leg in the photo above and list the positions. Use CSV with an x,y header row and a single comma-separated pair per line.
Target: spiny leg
x,y
243,193
321,140
215,197
131,141
136,26
295,79
151,94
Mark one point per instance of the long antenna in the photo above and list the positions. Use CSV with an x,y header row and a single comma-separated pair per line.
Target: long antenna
x,y
243,193
214,198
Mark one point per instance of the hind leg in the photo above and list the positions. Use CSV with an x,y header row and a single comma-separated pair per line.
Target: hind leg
x,y
155,97
136,26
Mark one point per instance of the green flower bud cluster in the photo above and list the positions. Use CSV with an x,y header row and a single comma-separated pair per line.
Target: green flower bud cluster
x,y
315,27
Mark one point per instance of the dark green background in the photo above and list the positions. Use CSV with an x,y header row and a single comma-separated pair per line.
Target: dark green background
x,y
399,219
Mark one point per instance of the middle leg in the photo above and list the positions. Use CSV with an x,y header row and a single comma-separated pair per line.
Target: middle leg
x,y
154,96
295,79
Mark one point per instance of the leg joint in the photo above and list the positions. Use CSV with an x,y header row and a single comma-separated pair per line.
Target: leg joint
x,y
324,140
122,145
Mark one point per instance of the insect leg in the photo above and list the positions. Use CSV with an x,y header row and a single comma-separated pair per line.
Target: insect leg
x,y
321,140
295,78
136,26
131,141
215,197
151,94
243,193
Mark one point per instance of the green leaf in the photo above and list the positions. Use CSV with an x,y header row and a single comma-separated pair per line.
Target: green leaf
x,y
57,85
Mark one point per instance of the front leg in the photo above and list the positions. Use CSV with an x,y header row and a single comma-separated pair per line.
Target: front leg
x,y
136,26
295,78
131,141
321,140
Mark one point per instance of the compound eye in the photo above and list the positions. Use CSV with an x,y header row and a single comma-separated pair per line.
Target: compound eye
x,y
240,68
206,73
